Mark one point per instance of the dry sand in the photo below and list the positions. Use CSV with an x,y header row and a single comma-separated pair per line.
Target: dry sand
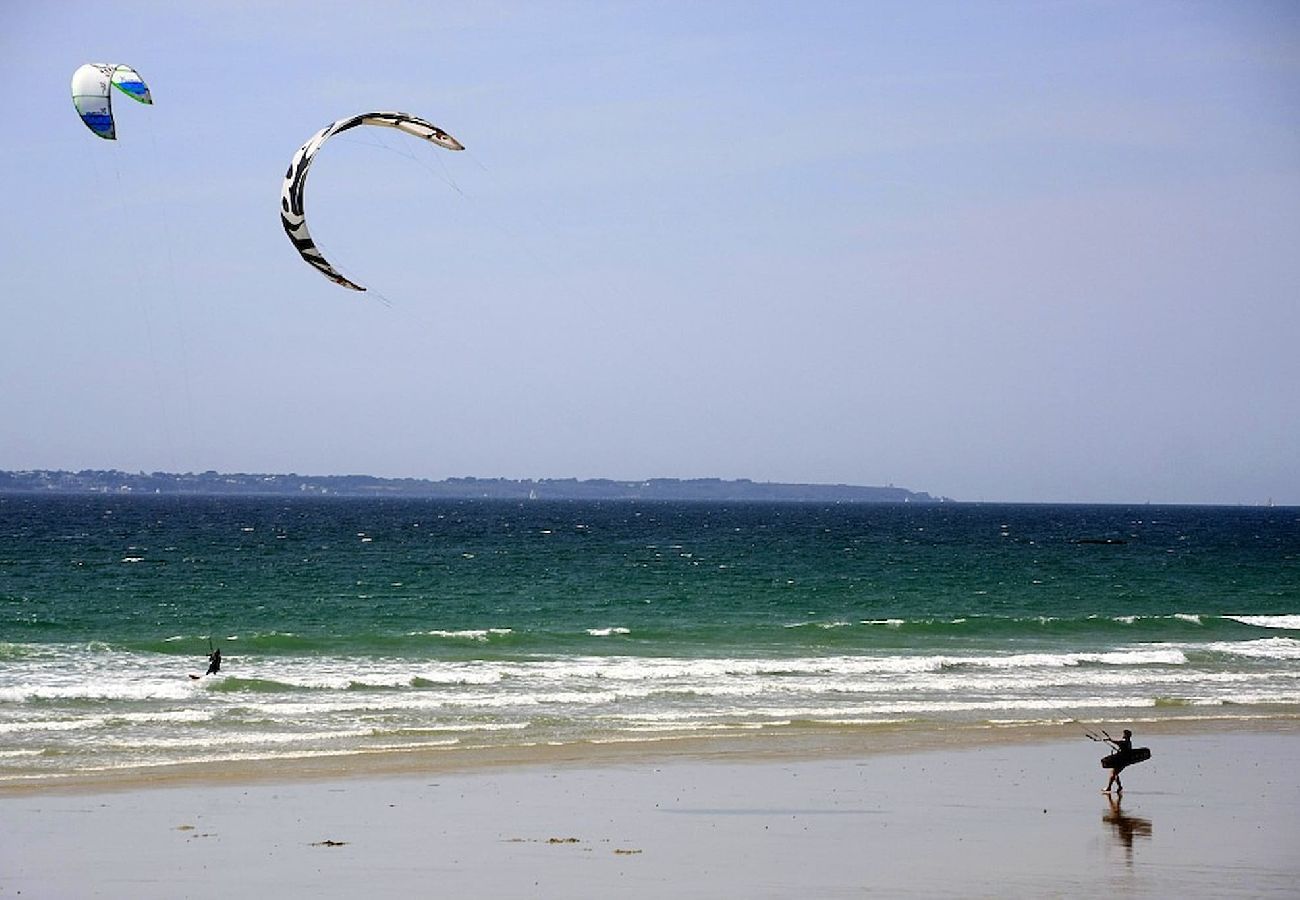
x,y
1211,815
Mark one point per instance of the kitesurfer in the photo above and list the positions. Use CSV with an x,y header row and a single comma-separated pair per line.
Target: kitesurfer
x,y
214,662
1123,751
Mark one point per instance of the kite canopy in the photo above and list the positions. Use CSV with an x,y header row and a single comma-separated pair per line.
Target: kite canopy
x,y
292,214
91,94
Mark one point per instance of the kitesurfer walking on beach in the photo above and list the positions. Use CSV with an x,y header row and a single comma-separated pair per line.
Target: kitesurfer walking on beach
x,y
1123,750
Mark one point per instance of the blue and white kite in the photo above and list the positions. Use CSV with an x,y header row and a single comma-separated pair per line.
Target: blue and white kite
x,y
91,94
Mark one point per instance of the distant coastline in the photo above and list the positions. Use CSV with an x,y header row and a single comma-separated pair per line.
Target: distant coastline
x,y
112,481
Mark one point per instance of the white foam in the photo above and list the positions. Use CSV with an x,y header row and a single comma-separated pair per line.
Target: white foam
x,y
166,717
1263,648
474,634
1190,618
1167,657
679,726
88,690
458,726
230,739
142,709
878,720
30,725
1290,623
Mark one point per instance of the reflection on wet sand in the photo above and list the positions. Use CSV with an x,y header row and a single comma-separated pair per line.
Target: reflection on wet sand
x,y
1125,828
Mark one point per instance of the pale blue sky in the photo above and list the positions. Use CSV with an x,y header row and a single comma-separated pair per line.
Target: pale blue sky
x,y
1025,251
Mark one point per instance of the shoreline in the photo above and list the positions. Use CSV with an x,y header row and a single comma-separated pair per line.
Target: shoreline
x,y
753,747
1212,814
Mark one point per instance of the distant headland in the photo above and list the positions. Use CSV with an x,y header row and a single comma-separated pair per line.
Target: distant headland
x,y
112,481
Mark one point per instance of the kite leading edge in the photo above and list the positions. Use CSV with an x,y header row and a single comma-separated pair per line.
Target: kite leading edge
x,y
292,213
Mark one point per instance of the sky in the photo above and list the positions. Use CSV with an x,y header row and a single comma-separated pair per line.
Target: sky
x,y
1008,251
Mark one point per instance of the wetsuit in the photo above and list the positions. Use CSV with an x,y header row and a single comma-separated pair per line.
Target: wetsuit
x,y
1123,752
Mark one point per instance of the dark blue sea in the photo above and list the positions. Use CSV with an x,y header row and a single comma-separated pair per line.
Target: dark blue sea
x,y
361,626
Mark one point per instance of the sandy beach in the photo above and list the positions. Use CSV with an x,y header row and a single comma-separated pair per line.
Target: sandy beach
x,y
1211,815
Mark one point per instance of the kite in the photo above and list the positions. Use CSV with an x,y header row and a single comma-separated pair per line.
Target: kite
x,y
292,214
91,94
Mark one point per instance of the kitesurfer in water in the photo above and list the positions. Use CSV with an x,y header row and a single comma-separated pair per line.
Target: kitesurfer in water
x,y
1124,750
214,662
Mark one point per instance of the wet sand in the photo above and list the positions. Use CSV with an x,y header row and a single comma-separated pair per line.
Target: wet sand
x,y
1211,815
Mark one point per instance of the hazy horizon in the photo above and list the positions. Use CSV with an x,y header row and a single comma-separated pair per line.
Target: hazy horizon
x,y
936,497
1015,252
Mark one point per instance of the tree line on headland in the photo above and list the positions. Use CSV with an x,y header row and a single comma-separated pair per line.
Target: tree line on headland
x,y
112,481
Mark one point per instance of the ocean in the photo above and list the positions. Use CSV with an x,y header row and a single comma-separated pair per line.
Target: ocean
x,y
353,626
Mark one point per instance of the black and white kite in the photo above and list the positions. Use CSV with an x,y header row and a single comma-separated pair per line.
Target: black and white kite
x,y
292,214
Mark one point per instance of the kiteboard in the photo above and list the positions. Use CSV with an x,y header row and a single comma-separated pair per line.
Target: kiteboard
x,y
1126,758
